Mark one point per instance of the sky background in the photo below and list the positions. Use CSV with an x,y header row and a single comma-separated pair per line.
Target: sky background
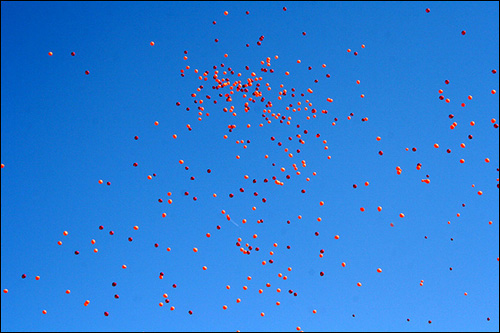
x,y
62,131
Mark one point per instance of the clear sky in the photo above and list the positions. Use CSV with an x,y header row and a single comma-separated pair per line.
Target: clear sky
x,y
62,131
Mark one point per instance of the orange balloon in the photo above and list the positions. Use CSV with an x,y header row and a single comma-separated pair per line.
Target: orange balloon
x,y
152,43
379,270
336,237
359,284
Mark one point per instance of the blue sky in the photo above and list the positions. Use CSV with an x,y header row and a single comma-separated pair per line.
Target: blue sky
x,y
62,131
